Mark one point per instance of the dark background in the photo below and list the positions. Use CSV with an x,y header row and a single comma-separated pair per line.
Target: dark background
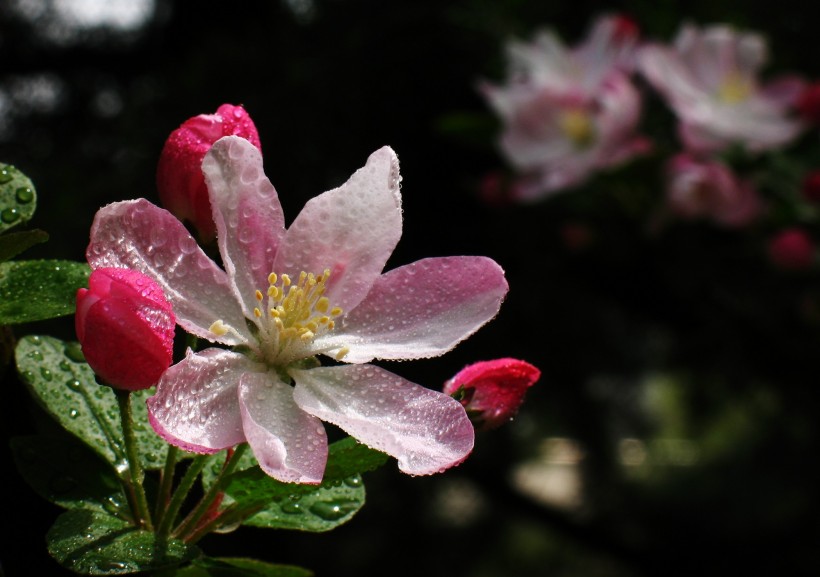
x,y
674,430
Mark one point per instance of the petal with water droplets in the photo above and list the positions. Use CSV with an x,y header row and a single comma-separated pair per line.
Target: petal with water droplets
x,y
248,215
290,445
136,234
351,230
425,430
422,309
196,406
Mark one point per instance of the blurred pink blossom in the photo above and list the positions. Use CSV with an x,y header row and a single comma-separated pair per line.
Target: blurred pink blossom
x,y
697,188
808,104
568,112
810,188
709,77
791,249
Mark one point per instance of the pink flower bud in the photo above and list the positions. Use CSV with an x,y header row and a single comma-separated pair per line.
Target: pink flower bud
x,y
126,328
808,103
180,182
492,391
791,249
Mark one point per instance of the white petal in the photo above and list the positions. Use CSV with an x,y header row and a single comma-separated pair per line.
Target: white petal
x,y
351,230
290,445
196,406
421,310
425,430
247,213
138,235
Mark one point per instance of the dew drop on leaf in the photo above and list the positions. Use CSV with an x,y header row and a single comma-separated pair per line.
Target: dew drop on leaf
x,y
24,195
333,510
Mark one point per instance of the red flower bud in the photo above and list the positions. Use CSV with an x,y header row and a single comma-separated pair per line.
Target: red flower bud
x,y
492,391
808,103
126,328
180,182
811,186
791,249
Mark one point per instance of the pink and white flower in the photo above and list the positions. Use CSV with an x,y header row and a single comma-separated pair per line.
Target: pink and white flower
x,y
709,77
698,188
287,295
568,113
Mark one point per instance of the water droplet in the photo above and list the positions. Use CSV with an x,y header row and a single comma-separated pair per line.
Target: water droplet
x,y
46,373
73,413
355,481
10,215
64,366
6,174
74,352
36,355
24,195
333,510
291,508
74,384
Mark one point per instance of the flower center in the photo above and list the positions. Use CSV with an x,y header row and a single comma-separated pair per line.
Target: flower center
x,y
290,315
734,89
576,125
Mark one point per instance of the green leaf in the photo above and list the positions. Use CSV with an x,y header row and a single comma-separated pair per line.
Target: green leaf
x,y
14,243
95,543
65,472
36,290
321,510
18,199
236,567
349,457
308,507
64,384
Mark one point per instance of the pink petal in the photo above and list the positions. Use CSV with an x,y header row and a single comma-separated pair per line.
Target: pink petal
x,y
290,445
351,230
248,216
422,309
196,406
136,234
425,430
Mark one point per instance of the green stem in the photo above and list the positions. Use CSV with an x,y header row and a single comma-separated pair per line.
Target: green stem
x,y
136,490
166,483
181,492
189,525
228,516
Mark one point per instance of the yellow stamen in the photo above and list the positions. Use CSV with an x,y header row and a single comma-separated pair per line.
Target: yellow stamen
x,y
576,125
219,328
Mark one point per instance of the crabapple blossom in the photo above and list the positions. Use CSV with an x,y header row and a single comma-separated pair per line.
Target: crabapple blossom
x,y
709,77
180,182
492,391
568,113
703,188
126,328
286,295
